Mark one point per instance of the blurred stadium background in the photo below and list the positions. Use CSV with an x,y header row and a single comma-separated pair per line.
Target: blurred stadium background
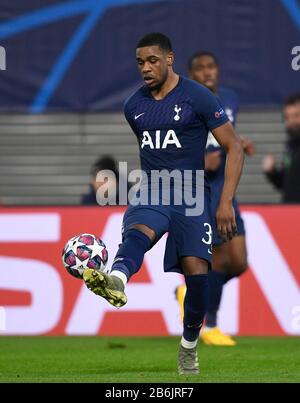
x,y
69,67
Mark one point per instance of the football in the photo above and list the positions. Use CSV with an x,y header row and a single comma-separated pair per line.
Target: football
x,y
82,252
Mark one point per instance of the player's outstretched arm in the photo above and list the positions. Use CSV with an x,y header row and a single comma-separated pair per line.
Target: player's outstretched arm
x,y
232,143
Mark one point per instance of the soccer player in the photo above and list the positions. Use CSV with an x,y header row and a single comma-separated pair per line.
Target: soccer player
x,y
171,116
229,259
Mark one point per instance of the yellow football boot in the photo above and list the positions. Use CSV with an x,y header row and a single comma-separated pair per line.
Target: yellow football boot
x,y
109,287
215,337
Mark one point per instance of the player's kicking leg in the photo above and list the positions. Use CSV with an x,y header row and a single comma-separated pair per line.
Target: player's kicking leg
x,y
137,241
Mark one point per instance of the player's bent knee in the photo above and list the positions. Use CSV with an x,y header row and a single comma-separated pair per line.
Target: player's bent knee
x,y
243,266
239,267
220,258
146,231
194,265
219,265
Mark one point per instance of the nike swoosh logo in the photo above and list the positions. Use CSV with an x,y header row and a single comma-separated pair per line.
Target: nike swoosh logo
x,y
138,116
118,259
196,326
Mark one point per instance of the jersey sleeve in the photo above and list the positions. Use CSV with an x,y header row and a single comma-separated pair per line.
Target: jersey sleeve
x,y
208,107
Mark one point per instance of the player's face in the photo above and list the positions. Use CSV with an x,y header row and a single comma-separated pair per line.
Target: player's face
x,y
153,64
205,71
291,114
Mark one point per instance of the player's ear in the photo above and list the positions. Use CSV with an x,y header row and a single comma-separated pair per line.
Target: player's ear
x,y
170,58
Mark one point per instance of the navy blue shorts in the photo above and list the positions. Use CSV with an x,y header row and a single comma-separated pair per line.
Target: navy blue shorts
x,y
187,235
238,218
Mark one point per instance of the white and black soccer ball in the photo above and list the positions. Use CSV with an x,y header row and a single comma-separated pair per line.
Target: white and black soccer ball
x,y
82,252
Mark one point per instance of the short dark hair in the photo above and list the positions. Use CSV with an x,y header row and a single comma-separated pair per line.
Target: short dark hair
x,y
105,162
292,100
201,54
155,39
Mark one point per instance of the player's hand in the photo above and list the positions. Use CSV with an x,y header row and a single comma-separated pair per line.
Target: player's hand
x,y
226,224
212,160
248,146
268,164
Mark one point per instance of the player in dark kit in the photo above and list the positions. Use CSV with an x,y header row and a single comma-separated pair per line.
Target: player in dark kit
x,y
229,259
171,117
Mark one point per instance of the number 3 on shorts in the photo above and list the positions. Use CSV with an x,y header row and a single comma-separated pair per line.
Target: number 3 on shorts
x,y
208,233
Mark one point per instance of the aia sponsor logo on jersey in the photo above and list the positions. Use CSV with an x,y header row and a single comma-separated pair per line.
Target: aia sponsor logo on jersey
x,y
159,140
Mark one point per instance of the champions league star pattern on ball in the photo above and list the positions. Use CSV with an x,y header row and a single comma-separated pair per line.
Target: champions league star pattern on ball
x,y
84,251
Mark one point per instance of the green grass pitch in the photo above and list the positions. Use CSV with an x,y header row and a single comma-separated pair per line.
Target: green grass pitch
x,y
110,359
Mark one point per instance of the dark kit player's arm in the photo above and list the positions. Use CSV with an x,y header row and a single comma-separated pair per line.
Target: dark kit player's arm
x,y
232,143
276,177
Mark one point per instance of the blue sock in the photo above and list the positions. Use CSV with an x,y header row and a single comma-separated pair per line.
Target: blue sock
x,y
131,252
216,281
195,305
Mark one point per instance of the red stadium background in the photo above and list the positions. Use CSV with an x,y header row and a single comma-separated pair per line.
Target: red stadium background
x,y
37,295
